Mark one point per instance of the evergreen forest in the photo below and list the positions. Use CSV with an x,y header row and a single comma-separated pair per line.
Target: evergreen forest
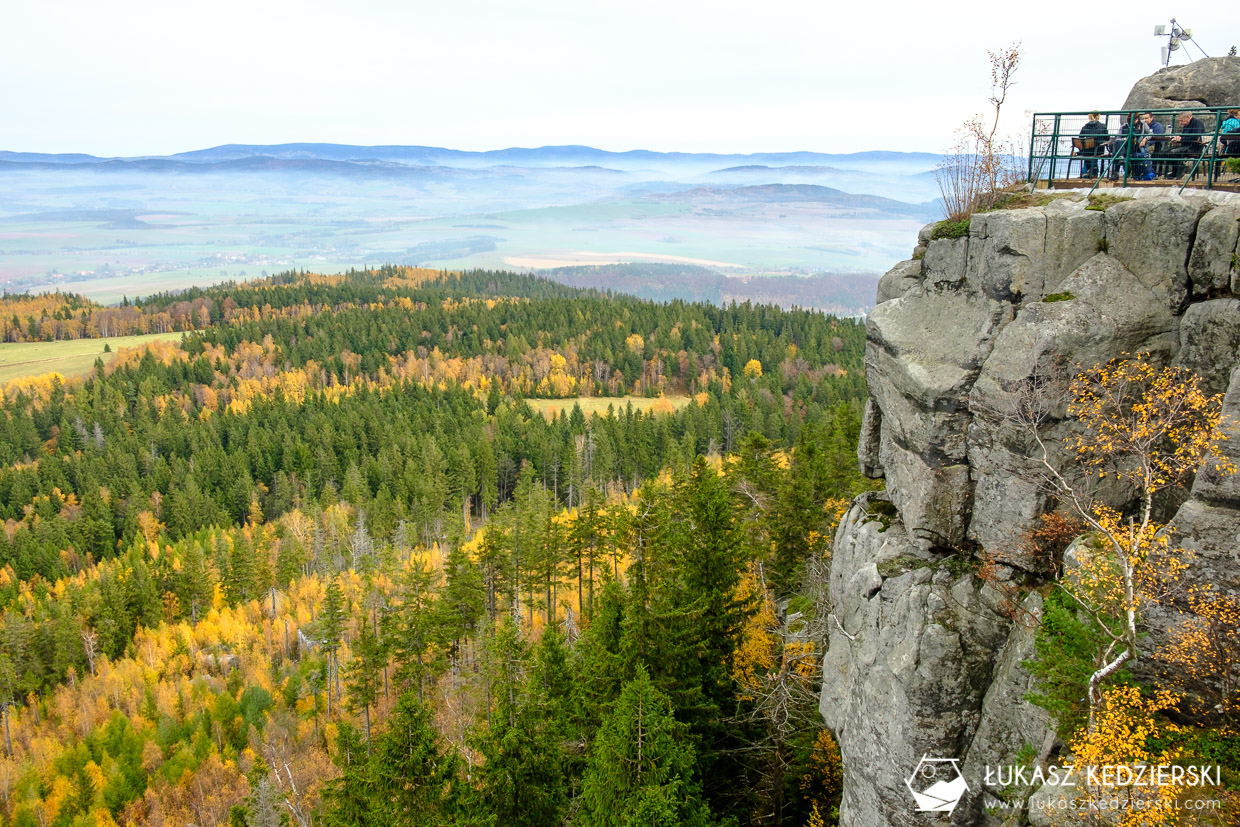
x,y
407,547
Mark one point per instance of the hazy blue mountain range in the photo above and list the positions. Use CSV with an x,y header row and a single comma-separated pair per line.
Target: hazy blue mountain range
x,y
113,226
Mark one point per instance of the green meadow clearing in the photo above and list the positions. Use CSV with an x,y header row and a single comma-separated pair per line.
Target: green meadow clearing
x,y
591,405
69,358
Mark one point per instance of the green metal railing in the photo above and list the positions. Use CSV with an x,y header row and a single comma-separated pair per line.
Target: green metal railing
x,y
1125,153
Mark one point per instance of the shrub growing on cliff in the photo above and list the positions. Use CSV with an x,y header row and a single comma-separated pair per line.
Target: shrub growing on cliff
x,y
981,162
950,229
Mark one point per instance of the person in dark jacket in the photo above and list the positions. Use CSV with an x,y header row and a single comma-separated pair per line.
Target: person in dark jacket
x,y
1130,151
1186,143
1094,135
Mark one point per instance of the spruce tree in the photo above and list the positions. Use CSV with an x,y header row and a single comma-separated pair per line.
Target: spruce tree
x,y
364,678
710,565
331,623
525,775
463,595
641,768
412,776
350,799
417,628
598,660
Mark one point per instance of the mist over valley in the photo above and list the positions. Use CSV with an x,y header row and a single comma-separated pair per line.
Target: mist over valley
x,y
111,227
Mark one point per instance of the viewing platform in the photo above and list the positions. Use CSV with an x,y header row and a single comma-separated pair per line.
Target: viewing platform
x,y
1189,148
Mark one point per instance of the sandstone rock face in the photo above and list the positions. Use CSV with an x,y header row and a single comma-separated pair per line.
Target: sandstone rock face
x,y
1212,266
923,659
1214,488
915,638
926,346
1151,238
1209,342
899,280
1212,81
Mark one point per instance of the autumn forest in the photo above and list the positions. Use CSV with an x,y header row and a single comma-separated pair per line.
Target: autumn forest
x,y
408,547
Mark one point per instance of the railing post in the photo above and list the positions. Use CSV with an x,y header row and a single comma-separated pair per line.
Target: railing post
x,y
1218,125
1033,147
1054,150
1128,147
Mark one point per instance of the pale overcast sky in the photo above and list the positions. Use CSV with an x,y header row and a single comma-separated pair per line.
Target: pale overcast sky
x,y
133,77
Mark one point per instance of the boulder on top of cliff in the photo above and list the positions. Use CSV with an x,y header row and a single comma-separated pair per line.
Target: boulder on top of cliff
x,y
1212,81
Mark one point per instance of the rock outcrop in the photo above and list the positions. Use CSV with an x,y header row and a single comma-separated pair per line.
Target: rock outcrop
x,y
924,658
1212,81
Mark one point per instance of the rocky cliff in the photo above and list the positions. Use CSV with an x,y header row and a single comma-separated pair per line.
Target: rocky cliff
x,y
923,658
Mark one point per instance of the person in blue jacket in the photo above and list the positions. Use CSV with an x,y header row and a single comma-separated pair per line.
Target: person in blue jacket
x,y
1153,145
1229,134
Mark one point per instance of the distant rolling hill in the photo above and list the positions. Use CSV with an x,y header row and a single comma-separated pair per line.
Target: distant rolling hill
x,y
666,282
518,156
88,223
799,193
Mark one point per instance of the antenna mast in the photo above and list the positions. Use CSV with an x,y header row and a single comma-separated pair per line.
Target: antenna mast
x,y
1176,37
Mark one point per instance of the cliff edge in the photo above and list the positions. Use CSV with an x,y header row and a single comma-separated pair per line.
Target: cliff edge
x,y
923,658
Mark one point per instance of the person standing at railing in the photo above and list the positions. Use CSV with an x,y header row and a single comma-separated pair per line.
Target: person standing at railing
x,y
1153,144
1186,143
1094,137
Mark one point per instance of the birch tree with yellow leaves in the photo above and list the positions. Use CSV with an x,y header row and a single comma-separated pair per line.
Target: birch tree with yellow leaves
x,y
1143,430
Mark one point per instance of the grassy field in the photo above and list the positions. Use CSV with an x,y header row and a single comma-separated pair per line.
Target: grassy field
x,y
73,358
591,405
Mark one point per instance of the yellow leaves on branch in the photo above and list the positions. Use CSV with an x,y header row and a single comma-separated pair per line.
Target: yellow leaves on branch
x,y
1203,651
755,656
1127,726
1148,428
1129,565
824,776
1145,426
